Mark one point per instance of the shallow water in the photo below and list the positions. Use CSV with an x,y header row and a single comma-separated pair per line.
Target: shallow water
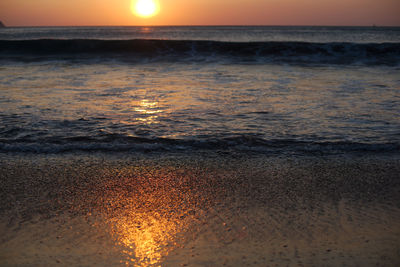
x,y
57,106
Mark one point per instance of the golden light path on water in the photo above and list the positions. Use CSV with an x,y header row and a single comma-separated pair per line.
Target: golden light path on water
x,y
147,107
145,112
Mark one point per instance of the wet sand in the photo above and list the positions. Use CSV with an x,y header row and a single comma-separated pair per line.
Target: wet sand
x,y
199,210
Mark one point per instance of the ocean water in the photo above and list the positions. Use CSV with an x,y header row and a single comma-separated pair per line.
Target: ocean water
x,y
263,89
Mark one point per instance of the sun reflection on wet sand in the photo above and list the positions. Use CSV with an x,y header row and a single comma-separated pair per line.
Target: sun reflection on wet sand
x,y
148,214
197,210
145,237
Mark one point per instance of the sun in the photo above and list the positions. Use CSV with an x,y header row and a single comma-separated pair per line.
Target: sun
x,y
145,8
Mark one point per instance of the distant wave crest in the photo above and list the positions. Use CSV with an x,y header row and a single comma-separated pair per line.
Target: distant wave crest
x,y
175,50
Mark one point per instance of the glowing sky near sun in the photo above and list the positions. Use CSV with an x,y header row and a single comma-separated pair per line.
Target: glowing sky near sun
x,y
202,12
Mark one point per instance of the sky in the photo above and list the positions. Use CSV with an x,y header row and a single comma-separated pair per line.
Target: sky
x,y
202,12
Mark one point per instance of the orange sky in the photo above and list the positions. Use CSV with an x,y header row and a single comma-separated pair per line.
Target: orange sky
x,y
202,12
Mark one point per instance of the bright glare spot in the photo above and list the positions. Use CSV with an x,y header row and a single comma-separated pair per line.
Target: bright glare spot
x,y
145,8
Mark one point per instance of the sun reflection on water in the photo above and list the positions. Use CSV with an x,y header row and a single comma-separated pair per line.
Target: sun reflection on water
x,y
146,30
148,109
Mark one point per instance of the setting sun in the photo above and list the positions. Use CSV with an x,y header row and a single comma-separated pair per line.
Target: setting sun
x,y
145,8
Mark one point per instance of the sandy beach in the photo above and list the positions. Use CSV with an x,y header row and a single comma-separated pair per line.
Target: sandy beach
x,y
199,209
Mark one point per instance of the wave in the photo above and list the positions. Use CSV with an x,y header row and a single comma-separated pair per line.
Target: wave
x,y
176,50
121,143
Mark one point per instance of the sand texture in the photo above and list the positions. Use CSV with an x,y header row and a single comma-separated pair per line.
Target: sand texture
x,y
199,210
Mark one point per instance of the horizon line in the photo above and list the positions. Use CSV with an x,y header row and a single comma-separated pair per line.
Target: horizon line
x,y
202,25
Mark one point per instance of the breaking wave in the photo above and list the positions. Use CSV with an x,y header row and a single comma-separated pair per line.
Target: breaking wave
x,y
177,50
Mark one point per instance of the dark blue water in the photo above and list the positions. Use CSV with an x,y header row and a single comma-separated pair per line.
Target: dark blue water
x,y
265,89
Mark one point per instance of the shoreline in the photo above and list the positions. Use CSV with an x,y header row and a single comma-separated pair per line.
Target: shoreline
x,y
199,209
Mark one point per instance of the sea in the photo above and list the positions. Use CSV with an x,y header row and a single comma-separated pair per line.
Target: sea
x,y
262,89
